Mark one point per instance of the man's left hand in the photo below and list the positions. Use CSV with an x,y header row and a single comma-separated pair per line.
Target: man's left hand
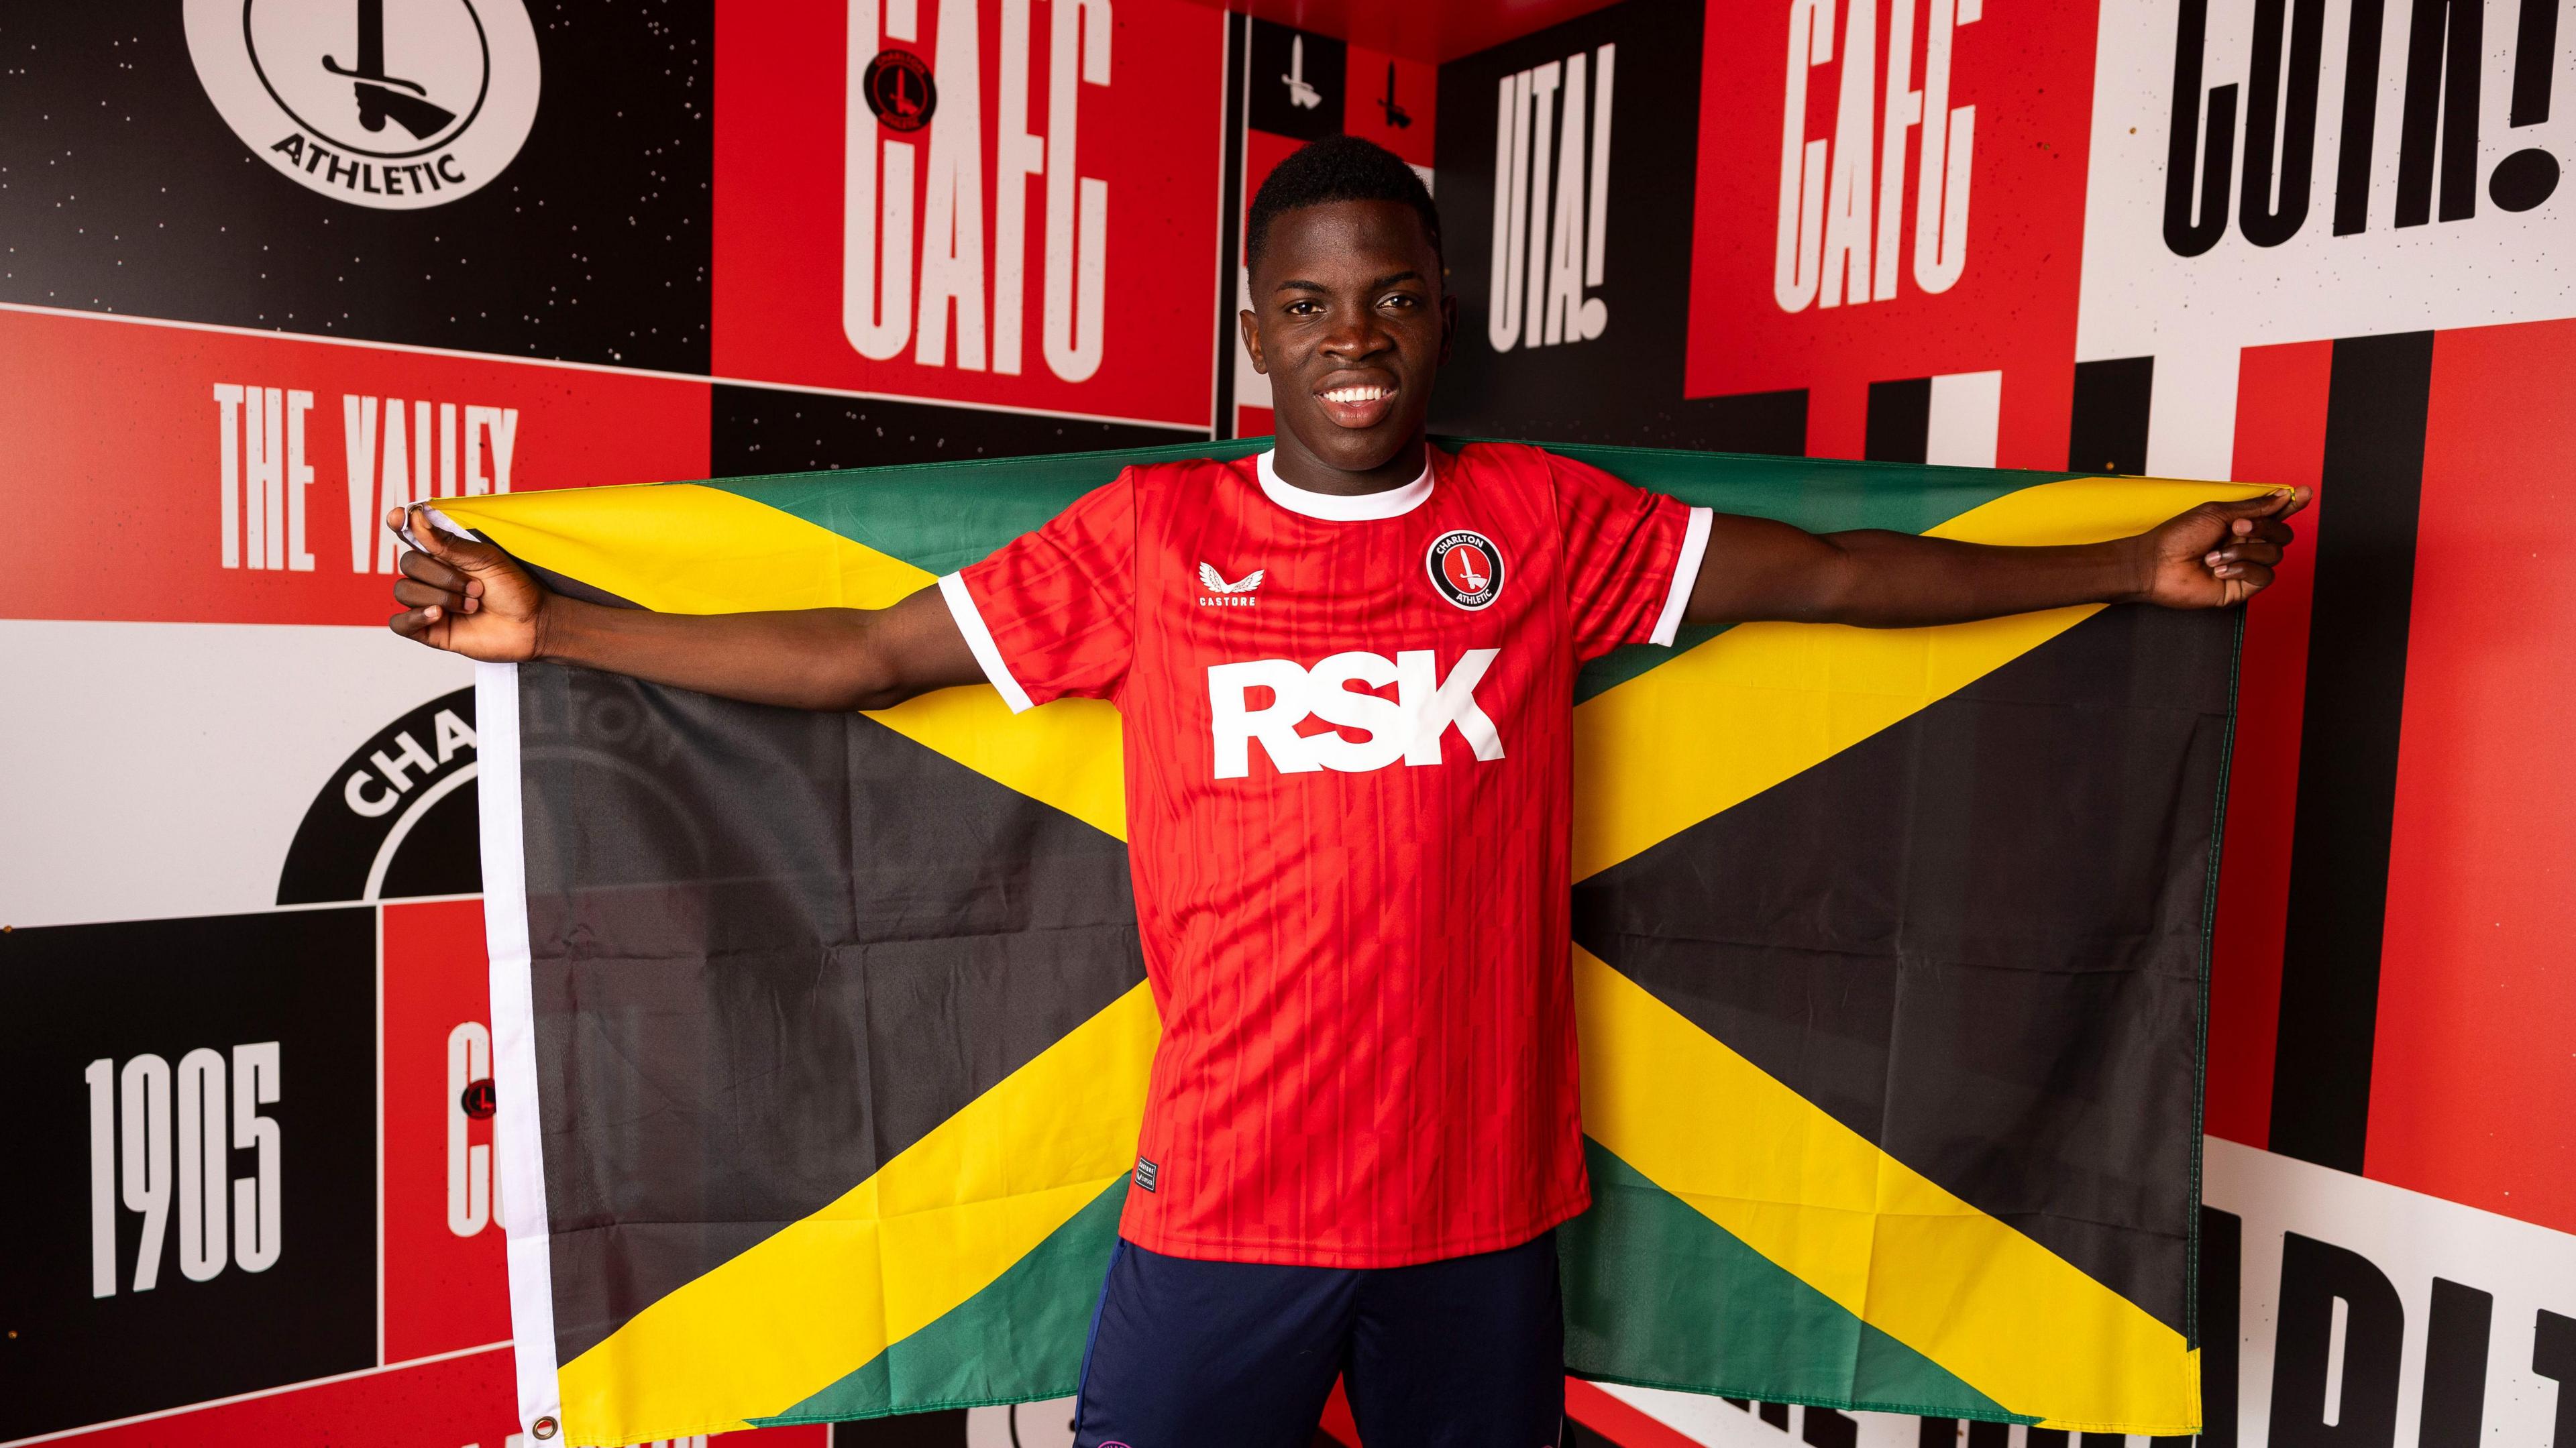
x,y
2218,554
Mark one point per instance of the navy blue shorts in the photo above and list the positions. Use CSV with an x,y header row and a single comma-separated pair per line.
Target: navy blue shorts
x,y
1466,1353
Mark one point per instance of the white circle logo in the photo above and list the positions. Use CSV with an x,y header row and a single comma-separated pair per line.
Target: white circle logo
x,y
1466,567
394,106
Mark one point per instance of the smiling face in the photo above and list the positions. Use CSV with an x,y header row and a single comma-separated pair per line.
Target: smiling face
x,y
1349,322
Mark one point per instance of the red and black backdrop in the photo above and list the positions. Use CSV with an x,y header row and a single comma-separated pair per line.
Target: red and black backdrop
x,y
269,266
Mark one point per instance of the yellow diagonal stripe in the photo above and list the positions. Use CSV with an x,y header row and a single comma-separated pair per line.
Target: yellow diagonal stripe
x,y
688,548
1762,702
1756,705
931,1228
2009,1317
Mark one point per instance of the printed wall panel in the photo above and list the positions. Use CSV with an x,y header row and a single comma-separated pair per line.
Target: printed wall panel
x,y
226,476
268,267
2339,168
187,761
206,1093
2393,1316
1001,204
1891,191
534,183
1570,241
2280,437
444,1273
246,304
2473,1078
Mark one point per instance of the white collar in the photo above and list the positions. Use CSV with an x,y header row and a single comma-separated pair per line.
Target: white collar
x,y
1346,507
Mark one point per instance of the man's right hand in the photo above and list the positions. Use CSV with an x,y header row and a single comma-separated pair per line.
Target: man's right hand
x,y
465,596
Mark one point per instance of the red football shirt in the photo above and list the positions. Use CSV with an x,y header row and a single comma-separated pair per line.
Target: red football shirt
x,y
1348,754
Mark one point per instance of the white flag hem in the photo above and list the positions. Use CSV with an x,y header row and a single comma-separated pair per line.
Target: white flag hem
x,y
518,1142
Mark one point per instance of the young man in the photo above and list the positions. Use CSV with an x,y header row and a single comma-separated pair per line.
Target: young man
x,y
1348,790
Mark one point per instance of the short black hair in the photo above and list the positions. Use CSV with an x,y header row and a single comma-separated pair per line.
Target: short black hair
x,y
1337,168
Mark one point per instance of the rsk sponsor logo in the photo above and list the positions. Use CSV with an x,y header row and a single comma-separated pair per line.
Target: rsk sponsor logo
x,y
1407,727
1552,201
395,107
1842,202
884,304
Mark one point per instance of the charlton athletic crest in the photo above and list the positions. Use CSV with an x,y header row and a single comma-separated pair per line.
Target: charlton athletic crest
x,y
1466,567
395,106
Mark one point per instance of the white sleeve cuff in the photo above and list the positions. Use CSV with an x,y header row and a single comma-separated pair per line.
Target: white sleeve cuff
x,y
1668,624
979,640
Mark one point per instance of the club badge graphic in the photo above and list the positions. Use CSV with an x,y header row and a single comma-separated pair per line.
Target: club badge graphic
x,y
900,90
397,818
399,107
1466,567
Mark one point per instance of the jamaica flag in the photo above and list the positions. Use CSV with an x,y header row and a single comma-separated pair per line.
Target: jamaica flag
x,y
821,1039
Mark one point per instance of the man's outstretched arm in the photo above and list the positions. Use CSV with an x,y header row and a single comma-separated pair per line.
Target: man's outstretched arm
x,y
2212,556
468,597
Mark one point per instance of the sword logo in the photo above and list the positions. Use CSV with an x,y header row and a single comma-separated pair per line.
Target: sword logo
x,y
383,97
1396,115
1299,92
